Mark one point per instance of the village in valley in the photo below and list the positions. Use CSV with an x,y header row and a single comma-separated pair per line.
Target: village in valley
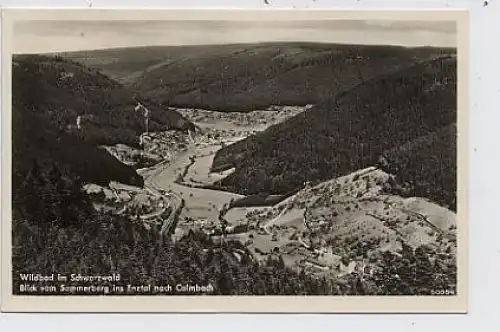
x,y
333,228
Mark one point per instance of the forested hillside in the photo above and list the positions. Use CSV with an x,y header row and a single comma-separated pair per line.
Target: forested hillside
x,y
34,138
250,76
50,93
62,90
428,165
347,134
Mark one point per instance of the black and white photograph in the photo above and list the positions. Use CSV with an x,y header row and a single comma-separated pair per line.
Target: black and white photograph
x,y
228,157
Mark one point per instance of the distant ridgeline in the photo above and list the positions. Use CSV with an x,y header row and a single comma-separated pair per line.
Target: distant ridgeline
x,y
338,137
62,111
245,77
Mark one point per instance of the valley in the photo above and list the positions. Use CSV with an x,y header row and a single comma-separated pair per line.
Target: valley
x,y
331,229
184,172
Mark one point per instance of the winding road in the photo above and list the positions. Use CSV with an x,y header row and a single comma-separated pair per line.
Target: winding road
x,y
166,170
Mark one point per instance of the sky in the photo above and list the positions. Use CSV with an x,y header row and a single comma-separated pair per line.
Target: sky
x,y
59,36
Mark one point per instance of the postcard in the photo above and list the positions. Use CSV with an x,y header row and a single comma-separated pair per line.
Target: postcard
x,y
232,160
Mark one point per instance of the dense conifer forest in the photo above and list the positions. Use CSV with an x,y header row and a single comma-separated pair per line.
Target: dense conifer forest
x,y
334,138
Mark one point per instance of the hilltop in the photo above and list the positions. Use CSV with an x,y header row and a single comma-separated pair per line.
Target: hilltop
x,y
350,224
338,137
245,77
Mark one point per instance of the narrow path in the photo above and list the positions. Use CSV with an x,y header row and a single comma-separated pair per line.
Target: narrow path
x,y
272,221
425,219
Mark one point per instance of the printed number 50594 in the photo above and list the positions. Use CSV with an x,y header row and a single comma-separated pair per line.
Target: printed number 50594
x,y
442,292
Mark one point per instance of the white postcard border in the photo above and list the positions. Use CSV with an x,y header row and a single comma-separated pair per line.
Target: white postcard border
x,y
250,304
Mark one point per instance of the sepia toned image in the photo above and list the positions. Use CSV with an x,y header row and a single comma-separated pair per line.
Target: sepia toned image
x,y
164,162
